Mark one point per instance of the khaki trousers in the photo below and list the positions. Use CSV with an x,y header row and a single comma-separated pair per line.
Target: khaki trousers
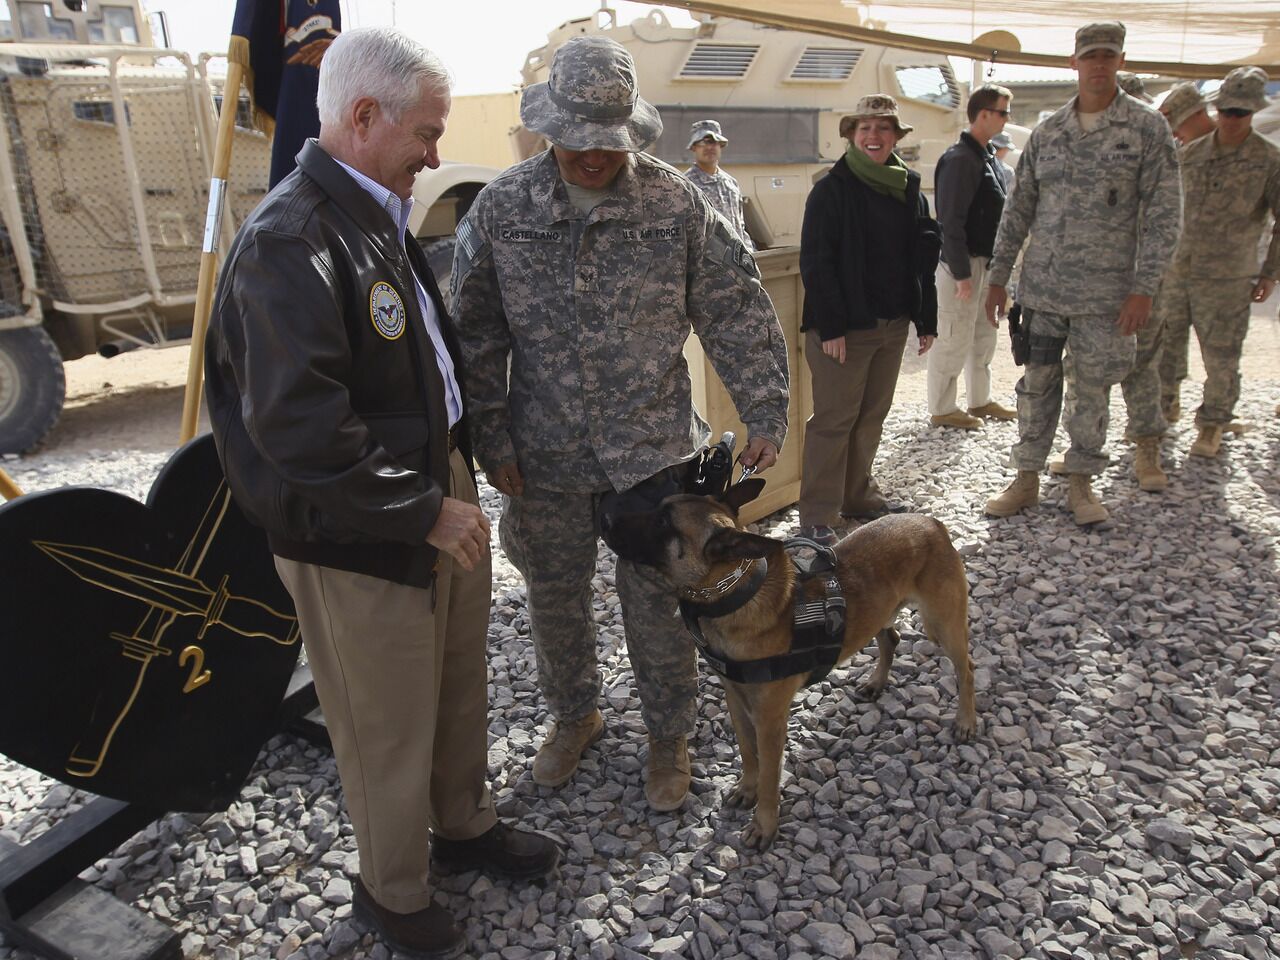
x,y
966,342
403,690
850,403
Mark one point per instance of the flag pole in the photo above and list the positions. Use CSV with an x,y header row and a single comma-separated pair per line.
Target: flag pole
x,y
8,489
209,256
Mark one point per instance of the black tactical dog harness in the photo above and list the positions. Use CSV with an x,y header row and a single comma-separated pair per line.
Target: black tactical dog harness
x,y
817,631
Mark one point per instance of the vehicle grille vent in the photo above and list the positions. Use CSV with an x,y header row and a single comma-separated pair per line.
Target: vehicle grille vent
x,y
719,61
826,63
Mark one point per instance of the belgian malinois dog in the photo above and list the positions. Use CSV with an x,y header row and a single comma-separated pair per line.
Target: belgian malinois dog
x,y
906,558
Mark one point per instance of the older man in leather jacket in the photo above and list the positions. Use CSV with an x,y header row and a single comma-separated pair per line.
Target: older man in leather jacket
x,y
333,380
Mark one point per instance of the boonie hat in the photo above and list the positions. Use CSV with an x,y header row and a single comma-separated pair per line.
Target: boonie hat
x,y
589,101
1107,35
1244,88
872,106
1182,102
1002,141
702,129
1132,84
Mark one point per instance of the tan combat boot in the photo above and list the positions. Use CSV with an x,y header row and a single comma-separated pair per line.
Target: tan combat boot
x,y
1085,506
560,753
961,421
1146,464
1023,492
1059,467
1171,407
1208,442
668,769
993,410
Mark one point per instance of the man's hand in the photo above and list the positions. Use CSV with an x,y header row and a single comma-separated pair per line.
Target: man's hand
x,y
997,297
507,479
760,453
834,349
1134,313
462,531
964,289
1262,289
925,343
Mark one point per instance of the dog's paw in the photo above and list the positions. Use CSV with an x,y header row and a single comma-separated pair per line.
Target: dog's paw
x,y
870,689
756,837
742,795
966,727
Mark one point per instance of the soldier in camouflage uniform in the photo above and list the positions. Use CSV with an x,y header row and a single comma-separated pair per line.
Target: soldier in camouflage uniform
x,y
1099,197
1232,184
722,191
585,268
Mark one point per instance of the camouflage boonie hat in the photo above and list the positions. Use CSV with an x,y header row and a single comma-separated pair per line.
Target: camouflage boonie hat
x,y
1002,141
589,101
1244,88
1108,35
702,129
870,107
1181,103
1132,84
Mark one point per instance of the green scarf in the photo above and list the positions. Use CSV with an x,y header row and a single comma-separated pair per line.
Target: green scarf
x,y
889,178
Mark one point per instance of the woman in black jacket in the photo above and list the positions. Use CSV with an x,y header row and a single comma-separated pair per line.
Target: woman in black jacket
x,y
868,252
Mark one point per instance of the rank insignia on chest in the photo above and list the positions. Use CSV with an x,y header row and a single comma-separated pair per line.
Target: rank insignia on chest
x,y
386,310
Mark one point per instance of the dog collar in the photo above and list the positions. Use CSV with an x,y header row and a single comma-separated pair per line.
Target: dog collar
x,y
731,592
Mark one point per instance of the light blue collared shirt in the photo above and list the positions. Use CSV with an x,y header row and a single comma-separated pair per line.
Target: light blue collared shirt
x,y
399,211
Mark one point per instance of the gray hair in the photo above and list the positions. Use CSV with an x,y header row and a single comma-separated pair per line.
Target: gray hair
x,y
377,62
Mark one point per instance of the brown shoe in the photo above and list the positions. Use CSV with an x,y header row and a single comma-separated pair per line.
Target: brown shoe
x,y
956,419
1085,506
1209,441
668,768
429,934
1146,465
1023,492
560,753
501,850
993,410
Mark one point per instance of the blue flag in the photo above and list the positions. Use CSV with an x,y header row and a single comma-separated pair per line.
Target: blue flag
x,y
280,44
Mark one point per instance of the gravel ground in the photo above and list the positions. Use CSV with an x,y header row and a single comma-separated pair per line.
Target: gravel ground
x,y
1120,799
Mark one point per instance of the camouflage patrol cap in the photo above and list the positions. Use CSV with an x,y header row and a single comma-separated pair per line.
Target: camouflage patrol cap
x,y
702,129
1244,88
1132,84
872,106
1107,35
589,101
1182,102
1002,141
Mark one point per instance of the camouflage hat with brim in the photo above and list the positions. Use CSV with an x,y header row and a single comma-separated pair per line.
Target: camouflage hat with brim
x,y
1132,84
589,101
1107,35
704,129
1181,103
1244,88
869,108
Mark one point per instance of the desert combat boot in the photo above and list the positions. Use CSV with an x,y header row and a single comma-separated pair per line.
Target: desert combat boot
x,y
1023,492
560,753
668,770
1085,506
1210,439
1146,465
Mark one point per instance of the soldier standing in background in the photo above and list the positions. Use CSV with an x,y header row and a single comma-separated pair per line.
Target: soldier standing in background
x,y
1232,184
1099,197
1132,84
584,268
722,191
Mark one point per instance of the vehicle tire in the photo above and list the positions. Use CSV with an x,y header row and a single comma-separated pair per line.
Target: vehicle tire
x,y
439,254
32,388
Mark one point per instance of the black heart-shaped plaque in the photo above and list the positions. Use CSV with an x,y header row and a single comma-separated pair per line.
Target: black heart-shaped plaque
x,y
146,649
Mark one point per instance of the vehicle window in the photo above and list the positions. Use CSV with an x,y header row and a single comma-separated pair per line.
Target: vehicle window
x,y
931,84
38,22
116,26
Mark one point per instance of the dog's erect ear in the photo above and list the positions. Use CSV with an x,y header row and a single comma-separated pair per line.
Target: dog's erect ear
x,y
742,493
729,544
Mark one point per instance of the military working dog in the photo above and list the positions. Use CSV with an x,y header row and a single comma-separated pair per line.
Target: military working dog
x,y
698,543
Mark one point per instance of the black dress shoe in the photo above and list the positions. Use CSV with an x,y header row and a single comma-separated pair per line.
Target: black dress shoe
x,y
428,934
502,851
877,510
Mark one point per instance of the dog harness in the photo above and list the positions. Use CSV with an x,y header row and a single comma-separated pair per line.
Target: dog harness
x,y
817,626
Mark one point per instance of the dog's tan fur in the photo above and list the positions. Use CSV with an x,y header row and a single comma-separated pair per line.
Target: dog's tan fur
x,y
891,562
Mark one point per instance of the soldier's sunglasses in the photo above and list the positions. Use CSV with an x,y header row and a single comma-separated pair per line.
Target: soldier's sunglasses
x,y
1236,112
1004,113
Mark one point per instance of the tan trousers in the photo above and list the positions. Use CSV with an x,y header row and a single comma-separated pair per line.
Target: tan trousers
x,y
966,343
850,403
403,690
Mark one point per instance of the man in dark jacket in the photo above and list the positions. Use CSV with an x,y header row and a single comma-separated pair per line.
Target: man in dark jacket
x,y
969,190
333,383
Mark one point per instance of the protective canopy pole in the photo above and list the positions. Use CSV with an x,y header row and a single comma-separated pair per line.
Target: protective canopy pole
x,y
209,256
8,489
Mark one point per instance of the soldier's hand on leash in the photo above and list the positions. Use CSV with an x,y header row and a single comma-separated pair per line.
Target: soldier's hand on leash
x,y
507,479
1262,289
997,297
462,531
1134,313
760,453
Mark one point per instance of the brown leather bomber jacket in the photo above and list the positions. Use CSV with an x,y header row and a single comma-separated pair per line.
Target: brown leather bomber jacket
x,y
326,403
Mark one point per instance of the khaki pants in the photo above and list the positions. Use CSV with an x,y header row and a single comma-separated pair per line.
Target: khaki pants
x,y
850,403
966,342
403,690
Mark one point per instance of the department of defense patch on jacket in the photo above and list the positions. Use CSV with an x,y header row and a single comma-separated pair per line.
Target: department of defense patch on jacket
x,y
386,310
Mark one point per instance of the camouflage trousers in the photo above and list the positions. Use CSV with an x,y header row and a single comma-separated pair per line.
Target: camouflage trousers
x,y
1218,311
1101,357
1141,386
551,537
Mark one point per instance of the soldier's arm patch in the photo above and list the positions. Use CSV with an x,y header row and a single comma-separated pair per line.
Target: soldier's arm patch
x,y
723,246
471,248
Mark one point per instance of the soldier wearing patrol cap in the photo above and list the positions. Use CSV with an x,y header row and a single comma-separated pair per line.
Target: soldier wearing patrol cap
x,y
1231,179
584,269
1187,112
1098,204
1132,84
722,191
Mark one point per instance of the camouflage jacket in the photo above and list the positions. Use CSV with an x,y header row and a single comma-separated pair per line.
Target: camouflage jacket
x,y
724,194
1229,195
1102,209
592,315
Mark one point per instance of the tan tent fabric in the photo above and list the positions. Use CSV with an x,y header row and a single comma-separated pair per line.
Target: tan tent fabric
x,y
1200,38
